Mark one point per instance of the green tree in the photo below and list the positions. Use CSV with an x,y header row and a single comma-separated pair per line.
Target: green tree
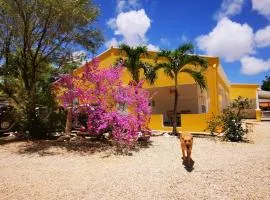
x,y
36,34
178,61
134,64
266,84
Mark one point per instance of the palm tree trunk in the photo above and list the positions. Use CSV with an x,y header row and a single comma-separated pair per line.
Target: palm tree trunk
x,y
175,106
136,76
69,121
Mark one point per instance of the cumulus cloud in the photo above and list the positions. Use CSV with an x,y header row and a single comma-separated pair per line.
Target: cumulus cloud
x,y
262,7
126,5
132,26
229,40
112,43
253,66
229,8
262,37
152,47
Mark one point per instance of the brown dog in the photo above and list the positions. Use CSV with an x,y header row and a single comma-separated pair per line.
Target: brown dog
x,y
186,140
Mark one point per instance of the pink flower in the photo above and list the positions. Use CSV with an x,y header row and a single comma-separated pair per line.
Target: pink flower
x,y
104,89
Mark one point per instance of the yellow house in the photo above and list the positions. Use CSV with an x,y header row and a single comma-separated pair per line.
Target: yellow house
x,y
195,106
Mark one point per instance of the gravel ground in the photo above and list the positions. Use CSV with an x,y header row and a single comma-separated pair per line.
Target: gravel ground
x,y
221,171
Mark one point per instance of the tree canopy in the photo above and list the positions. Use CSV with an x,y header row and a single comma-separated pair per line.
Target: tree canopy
x,y
39,36
266,83
134,64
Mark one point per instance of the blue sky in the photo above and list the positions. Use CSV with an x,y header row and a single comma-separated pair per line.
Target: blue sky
x,y
238,31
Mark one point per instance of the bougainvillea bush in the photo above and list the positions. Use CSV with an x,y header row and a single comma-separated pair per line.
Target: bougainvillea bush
x,y
111,107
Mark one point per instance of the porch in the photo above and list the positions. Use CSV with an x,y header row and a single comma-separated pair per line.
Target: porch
x,y
193,105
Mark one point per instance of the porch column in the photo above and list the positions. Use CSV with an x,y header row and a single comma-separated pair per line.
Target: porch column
x,y
258,110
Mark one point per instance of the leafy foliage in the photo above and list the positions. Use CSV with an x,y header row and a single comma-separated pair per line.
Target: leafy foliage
x,y
179,61
266,84
122,111
35,37
134,64
230,121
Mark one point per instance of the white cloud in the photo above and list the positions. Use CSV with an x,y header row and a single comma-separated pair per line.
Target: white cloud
x,y
111,23
262,6
262,37
112,43
229,8
228,39
126,5
253,66
152,47
133,26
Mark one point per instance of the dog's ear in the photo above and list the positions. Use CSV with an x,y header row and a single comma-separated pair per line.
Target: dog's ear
x,y
181,136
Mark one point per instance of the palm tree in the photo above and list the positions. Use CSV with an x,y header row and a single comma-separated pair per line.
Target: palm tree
x,y
182,60
134,64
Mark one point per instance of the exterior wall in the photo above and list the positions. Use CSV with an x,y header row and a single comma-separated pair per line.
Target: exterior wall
x,y
247,91
214,98
156,123
244,90
194,122
212,87
223,89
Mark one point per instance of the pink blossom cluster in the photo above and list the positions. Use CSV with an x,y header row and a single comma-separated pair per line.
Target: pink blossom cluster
x,y
112,107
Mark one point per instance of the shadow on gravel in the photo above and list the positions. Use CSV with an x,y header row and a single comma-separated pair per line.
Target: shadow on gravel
x,y
7,140
82,147
188,167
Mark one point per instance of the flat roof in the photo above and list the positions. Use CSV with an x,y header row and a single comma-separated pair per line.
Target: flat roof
x,y
245,84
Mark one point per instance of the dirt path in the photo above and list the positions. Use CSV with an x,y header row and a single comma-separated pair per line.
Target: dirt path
x,y
221,171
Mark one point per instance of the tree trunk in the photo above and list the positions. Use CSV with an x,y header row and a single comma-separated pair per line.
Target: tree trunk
x,y
69,121
136,76
175,106
32,124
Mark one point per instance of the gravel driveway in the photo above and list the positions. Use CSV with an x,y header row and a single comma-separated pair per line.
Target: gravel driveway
x,y
221,171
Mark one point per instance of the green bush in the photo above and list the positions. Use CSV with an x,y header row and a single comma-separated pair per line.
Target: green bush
x,y
233,126
231,120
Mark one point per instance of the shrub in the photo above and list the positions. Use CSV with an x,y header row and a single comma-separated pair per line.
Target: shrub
x,y
120,110
231,120
233,126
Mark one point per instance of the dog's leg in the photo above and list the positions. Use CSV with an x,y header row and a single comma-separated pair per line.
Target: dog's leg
x,y
183,153
189,157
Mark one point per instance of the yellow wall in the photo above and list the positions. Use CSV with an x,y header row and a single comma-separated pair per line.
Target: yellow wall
x,y
214,77
244,90
194,122
156,123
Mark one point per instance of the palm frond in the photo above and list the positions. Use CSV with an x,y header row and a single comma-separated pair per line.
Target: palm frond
x,y
141,50
150,72
198,77
164,54
125,48
186,48
196,61
168,71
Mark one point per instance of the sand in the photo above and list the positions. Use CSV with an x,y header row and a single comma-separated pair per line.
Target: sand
x,y
222,170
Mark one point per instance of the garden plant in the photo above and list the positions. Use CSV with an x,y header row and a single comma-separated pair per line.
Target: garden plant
x,y
120,110
230,121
